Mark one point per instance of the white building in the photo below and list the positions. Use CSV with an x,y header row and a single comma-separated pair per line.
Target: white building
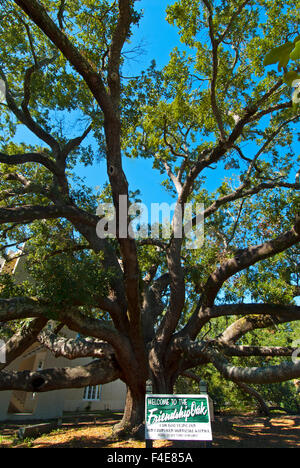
x,y
19,405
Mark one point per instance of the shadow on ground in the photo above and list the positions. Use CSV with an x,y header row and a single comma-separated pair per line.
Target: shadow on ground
x,y
228,432
257,432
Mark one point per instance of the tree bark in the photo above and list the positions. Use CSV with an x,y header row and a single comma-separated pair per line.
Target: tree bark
x,y
97,372
132,423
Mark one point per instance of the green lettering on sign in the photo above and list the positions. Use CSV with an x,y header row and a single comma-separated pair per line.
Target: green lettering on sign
x,y
177,416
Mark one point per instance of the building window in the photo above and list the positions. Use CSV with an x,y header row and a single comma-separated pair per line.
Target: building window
x,y
40,365
92,393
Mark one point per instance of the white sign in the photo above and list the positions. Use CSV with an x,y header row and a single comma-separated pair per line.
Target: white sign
x,y
2,91
2,352
177,417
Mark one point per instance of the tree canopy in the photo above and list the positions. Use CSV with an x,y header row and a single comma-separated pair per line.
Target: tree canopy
x,y
218,123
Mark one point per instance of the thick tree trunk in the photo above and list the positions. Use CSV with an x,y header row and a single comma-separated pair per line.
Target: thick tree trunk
x,y
161,371
162,383
133,421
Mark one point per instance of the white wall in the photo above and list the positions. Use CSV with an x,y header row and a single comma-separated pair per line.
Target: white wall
x,y
50,405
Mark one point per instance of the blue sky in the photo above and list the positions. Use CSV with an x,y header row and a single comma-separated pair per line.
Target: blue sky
x,y
156,38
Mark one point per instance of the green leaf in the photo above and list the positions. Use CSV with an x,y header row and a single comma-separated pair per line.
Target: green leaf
x,y
290,77
295,54
279,54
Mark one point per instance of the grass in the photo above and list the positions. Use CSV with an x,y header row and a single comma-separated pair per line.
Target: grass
x,y
5,439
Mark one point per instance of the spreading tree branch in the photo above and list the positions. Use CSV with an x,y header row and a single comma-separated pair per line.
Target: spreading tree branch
x,y
74,348
97,372
38,14
22,340
249,256
24,116
39,158
256,375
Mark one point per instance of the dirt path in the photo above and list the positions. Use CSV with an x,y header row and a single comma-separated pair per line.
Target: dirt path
x,y
257,432
228,432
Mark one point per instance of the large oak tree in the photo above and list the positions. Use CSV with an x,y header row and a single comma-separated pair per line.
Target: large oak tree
x,y
147,308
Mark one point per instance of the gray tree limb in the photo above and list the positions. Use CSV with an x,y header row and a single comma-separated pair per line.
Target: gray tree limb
x,y
101,371
256,375
22,340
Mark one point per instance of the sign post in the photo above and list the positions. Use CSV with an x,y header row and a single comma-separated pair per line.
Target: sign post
x,y
2,352
149,443
177,417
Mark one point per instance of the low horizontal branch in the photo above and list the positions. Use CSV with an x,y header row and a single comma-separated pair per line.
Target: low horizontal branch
x,y
284,311
271,351
196,349
39,158
287,370
29,213
260,317
272,313
98,372
71,348
21,307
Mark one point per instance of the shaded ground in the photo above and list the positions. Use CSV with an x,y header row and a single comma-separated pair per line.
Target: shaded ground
x,y
257,432
228,432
